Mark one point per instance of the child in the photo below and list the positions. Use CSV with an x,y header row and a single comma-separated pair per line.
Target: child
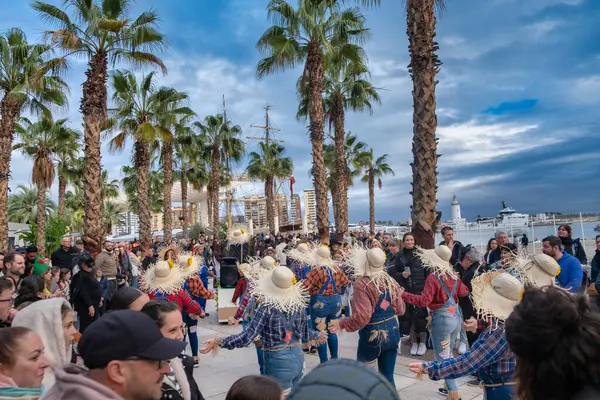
x,y
104,289
255,387
64,280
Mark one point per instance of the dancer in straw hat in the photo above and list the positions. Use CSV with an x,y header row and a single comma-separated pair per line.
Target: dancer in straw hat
x,y
442,289
281,322
495,295
376,302
325,282
237,244
538,271
164,280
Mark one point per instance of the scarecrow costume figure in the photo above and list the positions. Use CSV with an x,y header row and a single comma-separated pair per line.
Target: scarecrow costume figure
x,y
376,302
280,320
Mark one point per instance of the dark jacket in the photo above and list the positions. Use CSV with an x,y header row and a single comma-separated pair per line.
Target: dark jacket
x,y
456,251
26,298
494,256
63,258
466,304
85,291
418,274
575,248
168,393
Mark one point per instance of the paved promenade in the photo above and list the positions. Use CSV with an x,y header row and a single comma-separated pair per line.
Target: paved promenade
x,y
217,373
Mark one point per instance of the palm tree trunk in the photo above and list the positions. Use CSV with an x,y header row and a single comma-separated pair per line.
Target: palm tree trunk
x,y
9,110
341,166
423,67
62,188
142,166
335,195
41,218
316,71
167,156
372,203
270,205
209,202
184,195
93,108
214,182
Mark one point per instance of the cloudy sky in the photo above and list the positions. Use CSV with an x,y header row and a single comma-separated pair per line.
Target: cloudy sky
x,y
518,97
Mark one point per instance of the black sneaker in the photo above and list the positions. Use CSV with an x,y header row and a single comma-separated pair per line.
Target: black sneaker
x,y
443,392
196,363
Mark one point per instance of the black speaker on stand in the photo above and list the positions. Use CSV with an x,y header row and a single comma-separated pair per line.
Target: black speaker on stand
x,y
229,273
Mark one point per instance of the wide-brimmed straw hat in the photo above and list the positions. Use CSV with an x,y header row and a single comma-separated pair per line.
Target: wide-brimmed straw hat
x,y
369,263
163,277
301,253
188,263
539,270
495,294
258,267
437,260
237,236
279,289
320,256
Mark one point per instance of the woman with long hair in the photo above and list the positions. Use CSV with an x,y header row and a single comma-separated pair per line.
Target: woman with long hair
x,y
572,246
491,246
179,384
555,337
31,290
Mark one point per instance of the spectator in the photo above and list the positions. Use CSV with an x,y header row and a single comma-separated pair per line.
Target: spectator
x,y
596,272
525,242
14,266
2,255
501,239
128,298
491,246
255,387
31,290
64,283
454,245
6,302
126,358
22,364
107,263
63,256
570,245
79,245
392,251
52,320
86,294
31,254
571,272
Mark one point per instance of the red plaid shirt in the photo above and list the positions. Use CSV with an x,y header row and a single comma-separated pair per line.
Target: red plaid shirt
x,y
242,307
433,295
197,288
183,300
240,288
316,278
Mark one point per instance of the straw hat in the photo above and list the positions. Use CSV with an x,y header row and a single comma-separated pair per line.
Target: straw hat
x,y
237,236
258,267
539,271
188,264
495,294
437,260
300,253
244,268
279,289
163,277
320,257
369,263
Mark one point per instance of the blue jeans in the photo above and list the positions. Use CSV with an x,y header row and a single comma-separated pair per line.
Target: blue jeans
x,y
504,392
285,366
134,282
259,353
323,309
192,327
445,329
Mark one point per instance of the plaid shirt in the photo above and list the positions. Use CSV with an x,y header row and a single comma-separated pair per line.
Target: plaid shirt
x,y
240,288
433,295
317,277
269,324
197,288
183,300
490,353
242,307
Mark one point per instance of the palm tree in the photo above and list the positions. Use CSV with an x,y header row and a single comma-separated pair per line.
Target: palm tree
x,y
139,116
110,187
66,154
22,206
375,168
267,165
222,144
155,194
102,32
39,141
111,216
29,79
307,35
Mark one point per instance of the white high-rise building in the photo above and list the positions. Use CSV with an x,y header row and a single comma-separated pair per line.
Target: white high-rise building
x,y
455,210
310,209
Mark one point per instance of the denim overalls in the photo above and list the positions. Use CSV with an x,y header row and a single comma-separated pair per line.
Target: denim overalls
x,y
379,339
246,317
445,329
284,362
323,309
498,387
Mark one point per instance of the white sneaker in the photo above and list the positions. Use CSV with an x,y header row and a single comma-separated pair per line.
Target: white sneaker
x,y
414,349
462,349
422,349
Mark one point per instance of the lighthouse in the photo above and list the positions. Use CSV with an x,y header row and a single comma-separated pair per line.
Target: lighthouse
x,y
455,210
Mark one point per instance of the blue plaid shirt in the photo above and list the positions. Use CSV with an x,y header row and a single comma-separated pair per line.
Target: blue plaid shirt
x,y
269,324
490,353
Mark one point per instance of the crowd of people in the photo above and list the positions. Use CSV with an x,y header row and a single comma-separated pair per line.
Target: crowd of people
x,y
116,325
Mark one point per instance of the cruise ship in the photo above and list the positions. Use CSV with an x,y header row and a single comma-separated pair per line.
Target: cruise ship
x,y
507,218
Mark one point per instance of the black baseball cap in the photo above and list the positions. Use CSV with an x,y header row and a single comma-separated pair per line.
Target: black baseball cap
x,y
125,334
31,249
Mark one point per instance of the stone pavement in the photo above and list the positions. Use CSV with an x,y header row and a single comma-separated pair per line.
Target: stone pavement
x,y
217,373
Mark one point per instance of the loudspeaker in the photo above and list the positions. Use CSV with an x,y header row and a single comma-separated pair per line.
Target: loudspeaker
x,y
229,272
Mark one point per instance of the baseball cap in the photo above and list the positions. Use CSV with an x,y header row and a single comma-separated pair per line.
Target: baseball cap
x,y
31,249
125,334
